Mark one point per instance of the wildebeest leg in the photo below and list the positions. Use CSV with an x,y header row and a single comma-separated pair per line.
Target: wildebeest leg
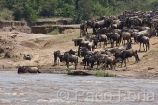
x,y
93,30
122,41
125,62
112,42
67,63
122,62
144,47
58,62
84,64
86,30
136,58
111,65
92,64
80,33
98,64
130,40
75,66
79,51
106,43
140,46
116,43
55,61
127,59
76,62
114,65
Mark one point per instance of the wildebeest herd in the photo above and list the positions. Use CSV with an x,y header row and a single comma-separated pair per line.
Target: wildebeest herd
x,y
129,28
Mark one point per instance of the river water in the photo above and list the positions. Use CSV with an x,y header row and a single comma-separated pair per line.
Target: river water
x,y
62,89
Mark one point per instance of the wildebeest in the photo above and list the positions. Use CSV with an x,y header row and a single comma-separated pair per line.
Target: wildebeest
x,y
83,29
126,54
102,31
102,38
88,59
56,55
126,36
27,69
143,40
69,58
91,45
117,24
125,46
106,60
114,37
72,52
101,24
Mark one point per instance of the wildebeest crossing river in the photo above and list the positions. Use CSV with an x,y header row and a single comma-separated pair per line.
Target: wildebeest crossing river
x,y
62,89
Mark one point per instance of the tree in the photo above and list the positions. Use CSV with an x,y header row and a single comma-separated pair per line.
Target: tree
x,y
31,8
48,8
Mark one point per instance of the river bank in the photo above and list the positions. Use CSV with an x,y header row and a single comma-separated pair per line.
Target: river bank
x,y
15,46
123,72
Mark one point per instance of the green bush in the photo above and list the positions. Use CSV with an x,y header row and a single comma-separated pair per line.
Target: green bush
x,y
6,14
68,70
103,73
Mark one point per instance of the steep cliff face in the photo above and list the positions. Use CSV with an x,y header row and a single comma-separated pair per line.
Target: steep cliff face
x,y
48,29
20,26
8,26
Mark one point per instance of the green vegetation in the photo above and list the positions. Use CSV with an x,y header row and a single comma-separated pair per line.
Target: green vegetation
x,y
68,70
6,15
78,10
103,73
54,32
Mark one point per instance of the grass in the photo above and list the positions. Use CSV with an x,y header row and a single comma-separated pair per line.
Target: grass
x,y
54,32
42,19
150,52
46,24
71,26
68,37
103,73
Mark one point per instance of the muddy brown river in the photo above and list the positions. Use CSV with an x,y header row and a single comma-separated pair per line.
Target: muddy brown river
x,y
62,89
